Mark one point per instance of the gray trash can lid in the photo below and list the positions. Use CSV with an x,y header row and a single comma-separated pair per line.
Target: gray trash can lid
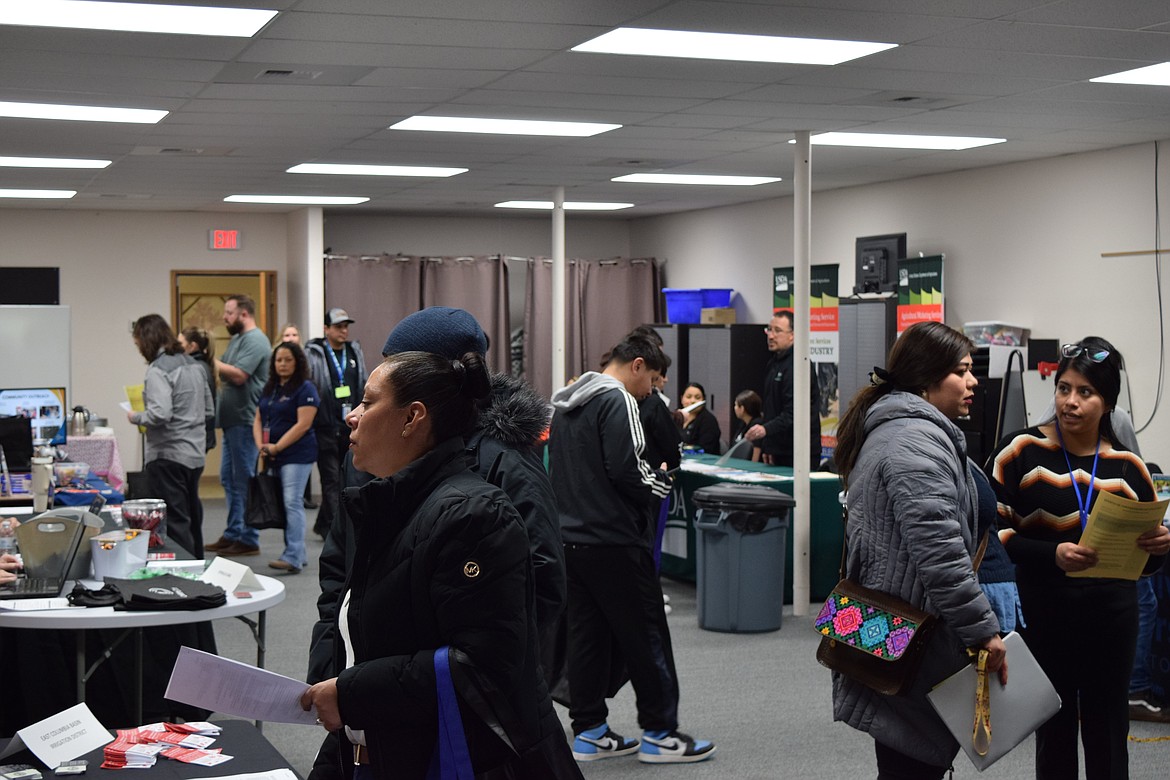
x,y
752,498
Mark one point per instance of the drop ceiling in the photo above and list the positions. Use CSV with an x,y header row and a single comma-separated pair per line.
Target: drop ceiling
x,y
326,78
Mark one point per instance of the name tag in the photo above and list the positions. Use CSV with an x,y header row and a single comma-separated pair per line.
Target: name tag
x,y
342,392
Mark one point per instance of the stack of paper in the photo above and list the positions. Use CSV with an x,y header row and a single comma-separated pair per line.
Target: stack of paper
x,y
196,756
128,751
206,728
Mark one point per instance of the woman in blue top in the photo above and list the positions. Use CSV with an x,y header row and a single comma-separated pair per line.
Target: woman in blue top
x,y
283,430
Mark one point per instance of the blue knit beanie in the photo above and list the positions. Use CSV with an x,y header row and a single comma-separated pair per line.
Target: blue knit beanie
x,y
439,329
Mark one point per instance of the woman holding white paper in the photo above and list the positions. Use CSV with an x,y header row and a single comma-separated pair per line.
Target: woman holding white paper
x,y
700,428
1082,630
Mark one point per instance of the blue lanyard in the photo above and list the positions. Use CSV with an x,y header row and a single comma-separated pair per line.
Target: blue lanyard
x,y
1082,504
333,357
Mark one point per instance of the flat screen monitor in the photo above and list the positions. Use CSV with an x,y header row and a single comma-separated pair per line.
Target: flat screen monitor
x,y
877,262
43,407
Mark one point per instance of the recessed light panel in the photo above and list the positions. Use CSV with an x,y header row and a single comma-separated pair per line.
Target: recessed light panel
x,y
460,124
547,205
374,170
297,200
141,116
50,162
696,178
1151,75
38,194
898,141
729,46
135,17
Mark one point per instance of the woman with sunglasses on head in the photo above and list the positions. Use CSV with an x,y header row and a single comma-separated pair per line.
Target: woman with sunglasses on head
x,y
1082,630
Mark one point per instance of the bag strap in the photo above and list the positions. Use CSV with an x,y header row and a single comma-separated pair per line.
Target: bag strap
x,y
451,760
981,732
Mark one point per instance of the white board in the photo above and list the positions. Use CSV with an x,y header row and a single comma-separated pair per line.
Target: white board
x,y
35,347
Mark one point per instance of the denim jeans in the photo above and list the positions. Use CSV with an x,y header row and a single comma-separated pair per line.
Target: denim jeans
x,y
293,477
237,465
1139,678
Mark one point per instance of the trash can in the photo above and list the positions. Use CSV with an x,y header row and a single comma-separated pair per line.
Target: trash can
x,y
740,554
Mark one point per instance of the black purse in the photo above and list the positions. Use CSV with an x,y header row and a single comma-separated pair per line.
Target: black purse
x,y
265,507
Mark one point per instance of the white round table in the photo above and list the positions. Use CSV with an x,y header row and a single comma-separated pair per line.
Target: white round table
x,y
80,619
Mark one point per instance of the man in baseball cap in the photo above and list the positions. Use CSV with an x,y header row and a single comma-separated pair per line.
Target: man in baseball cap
x,y
338,369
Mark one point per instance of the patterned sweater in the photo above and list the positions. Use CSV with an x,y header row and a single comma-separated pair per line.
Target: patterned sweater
x,y
1037,506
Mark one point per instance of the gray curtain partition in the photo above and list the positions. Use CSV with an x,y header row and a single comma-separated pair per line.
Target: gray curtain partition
x,y
379,290
479,285
606,299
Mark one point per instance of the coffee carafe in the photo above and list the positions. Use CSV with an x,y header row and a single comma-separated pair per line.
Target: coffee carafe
x,y
77,421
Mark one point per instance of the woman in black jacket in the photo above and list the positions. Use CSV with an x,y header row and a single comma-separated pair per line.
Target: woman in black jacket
x,y
441,560
700,429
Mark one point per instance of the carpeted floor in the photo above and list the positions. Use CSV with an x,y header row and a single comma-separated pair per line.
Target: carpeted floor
x,y
761,698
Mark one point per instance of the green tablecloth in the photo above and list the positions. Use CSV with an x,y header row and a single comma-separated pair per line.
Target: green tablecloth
x,y
678,545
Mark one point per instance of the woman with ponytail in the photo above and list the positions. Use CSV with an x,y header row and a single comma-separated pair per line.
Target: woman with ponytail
x,y
913,532
441,560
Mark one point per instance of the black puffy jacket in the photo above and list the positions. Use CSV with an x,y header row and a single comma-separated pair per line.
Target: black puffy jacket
x,y
441,559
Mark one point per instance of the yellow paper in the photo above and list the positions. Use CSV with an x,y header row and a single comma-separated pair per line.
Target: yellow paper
x,y
134,396
1113,528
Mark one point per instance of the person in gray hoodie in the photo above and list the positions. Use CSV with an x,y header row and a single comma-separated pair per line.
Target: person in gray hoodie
x,y
608,496
177,397
912,533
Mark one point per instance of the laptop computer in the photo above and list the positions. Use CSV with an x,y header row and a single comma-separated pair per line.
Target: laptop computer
x,y
48,546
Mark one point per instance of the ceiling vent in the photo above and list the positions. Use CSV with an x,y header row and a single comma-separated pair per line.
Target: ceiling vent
x,y
287,75
183,151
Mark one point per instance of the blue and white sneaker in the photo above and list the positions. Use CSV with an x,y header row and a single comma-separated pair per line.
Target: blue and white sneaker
x,y
600,742
673,747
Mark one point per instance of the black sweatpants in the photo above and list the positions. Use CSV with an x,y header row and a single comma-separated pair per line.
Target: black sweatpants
x,y
178,486
331,449
614,598
1083,633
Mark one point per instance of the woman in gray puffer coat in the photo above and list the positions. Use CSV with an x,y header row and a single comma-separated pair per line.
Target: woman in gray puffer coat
x,y
912,533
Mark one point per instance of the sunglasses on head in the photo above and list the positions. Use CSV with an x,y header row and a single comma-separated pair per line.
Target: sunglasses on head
x,y
1075,350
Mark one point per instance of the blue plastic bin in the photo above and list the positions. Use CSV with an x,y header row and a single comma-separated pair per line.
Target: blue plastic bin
x,y
714,298
682,305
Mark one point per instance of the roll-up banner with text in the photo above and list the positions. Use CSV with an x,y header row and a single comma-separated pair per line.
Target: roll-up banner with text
x,y
920,291
822,338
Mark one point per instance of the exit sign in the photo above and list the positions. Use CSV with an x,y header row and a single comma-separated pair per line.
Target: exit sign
x,y
225,239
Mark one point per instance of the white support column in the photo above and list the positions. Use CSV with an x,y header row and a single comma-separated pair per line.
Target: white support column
x,y
801,231
558,290
305,281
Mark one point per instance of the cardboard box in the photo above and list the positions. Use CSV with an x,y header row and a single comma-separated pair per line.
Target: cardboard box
x,y
719,316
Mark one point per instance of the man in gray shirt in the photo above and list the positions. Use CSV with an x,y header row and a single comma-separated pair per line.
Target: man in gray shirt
x,y
243,370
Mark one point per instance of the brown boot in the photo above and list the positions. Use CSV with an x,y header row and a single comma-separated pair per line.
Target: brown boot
x,y
218,545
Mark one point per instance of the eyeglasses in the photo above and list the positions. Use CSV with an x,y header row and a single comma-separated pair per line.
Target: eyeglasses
x,y
777,331
1074,350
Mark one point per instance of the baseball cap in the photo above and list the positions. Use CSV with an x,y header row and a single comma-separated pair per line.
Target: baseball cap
x,y
441,330
337,317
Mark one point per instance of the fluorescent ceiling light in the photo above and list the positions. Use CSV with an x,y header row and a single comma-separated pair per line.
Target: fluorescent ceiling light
x,y
1151,75
897,141
374,170
135,17
50,162
696,178
547,205
142,116
297,200
59,194
460,124
729,46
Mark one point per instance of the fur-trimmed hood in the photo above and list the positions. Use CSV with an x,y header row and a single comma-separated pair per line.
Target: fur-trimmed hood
x,y
516,416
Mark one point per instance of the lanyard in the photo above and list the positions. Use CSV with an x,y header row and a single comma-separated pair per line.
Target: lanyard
x,y
336,364
1082,504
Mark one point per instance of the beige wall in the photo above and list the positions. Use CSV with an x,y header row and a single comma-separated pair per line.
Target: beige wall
x,y
1023,244
115,267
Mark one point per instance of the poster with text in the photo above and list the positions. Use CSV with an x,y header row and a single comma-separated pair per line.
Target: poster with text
x,y
920,290
822,339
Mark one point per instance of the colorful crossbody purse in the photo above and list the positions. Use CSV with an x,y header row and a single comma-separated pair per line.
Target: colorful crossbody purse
x,y
872,637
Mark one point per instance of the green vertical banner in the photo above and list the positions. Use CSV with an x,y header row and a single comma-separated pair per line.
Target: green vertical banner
x,y
920,290
822,338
